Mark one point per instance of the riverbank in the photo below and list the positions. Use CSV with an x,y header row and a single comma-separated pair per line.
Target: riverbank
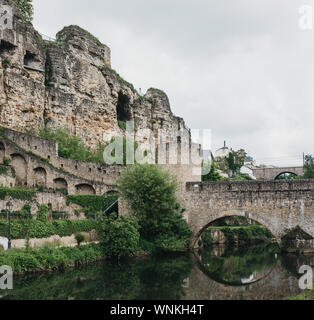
x,y
49,258
236,235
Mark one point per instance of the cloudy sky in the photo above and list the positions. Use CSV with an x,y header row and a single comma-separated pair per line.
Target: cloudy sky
x,y
242,68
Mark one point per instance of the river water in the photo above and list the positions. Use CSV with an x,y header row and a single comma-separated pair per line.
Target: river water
x,y
219,273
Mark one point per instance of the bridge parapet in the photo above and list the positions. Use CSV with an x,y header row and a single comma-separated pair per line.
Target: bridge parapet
x,y
272,173
280,205
251,186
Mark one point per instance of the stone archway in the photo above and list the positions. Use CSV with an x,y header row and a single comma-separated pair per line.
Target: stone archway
x,y
286,175
260,218
60,184
2,151
20,166
40,177
85,189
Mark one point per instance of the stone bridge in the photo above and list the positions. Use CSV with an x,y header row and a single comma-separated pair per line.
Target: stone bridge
x,y
279,205
273,173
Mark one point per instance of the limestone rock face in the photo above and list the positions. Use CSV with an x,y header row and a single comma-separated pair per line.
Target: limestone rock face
x,y
69,83
22,90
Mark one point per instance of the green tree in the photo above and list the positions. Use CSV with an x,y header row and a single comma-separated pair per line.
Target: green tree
x,y
231,162
119,237
213,175
150,193
309,167
236,160
79,239
26,8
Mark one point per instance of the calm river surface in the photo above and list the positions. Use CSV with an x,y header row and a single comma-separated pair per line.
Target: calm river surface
x,y
256,272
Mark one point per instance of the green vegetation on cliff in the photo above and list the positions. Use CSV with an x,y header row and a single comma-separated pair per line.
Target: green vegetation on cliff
x,y
26,9
82,31
17,193
70,146
92,204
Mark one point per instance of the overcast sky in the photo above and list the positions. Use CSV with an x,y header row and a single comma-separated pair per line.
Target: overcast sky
x,y
242,68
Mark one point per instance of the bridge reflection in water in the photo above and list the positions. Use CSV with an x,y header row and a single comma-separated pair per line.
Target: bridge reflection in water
x,y
253,273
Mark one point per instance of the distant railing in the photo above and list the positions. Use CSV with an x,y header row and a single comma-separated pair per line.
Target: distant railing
x,y
47,38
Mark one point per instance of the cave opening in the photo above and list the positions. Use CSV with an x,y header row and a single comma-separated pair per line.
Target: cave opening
x,y
6,47
123,108
30,60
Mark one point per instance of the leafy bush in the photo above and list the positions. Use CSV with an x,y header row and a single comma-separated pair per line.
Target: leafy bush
x,y
119,237
213,174
17,193
41,229
79,239
150,194
72,147
57,215
3,169
6,62
48,258
206,239
296,233
92,204
6,161
245,234
42,214
26,8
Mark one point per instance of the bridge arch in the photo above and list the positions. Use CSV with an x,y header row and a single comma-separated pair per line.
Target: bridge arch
x,y
261,218
284,175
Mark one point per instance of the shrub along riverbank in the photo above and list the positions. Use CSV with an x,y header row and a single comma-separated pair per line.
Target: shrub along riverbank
x,y
49,258
253,234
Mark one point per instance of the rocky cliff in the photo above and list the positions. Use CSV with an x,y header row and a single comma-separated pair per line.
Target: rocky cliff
x,y
69,83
